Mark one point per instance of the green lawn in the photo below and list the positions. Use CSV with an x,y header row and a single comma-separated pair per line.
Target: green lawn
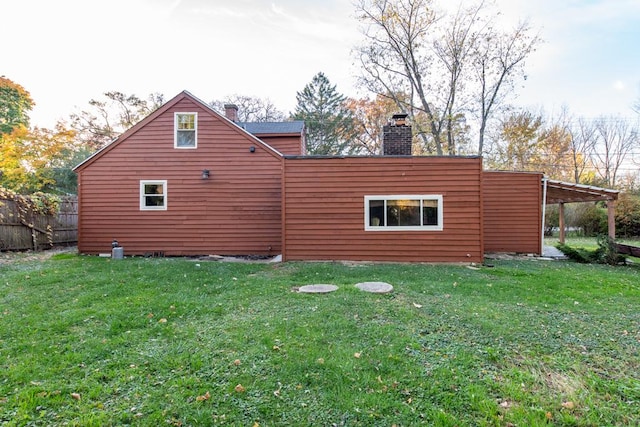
x,y
88,341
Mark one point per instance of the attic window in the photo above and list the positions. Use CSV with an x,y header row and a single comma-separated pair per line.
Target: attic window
x,y
186,130
403,213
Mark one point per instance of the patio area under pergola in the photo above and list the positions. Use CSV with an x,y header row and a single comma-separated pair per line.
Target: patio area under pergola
x,y
560,193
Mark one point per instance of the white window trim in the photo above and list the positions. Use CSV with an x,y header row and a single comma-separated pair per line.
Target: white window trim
x,y
143,206
420,197
175,130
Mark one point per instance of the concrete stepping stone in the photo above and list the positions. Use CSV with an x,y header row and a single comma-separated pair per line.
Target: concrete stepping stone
x,y
317,289
375,287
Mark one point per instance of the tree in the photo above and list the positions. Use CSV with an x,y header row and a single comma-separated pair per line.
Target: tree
x,y
498,58
519,134
583,140
106,119
369,117
328,121
15,105
451,66
39,160
392,62
250,109
553,153
617,138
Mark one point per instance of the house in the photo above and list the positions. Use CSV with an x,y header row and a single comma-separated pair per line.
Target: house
x,y
189,181
185,181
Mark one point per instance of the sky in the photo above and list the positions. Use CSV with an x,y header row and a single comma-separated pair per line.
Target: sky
x,y
67,52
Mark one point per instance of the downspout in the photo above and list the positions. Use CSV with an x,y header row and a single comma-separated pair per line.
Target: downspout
x,y
544,210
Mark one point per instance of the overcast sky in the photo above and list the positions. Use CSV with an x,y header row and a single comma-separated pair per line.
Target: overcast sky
x,y
66,52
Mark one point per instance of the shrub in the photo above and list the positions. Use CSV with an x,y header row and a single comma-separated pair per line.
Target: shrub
x,y
628,215
605,253
591,218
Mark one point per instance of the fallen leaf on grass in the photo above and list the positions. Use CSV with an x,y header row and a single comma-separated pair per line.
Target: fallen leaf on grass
x,y
357,355
239,388
237,362
163,320
205,396
416,305
76,396
568,405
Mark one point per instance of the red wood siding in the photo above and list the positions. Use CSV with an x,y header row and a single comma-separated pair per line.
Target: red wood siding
x,y
512,212
285,144
236,211
323,208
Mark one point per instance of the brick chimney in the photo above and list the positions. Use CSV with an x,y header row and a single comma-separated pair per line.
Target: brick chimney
x,y
396,137
231,112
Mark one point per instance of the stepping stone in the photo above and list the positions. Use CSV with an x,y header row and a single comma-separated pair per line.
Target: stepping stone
x,y
375,287
317,289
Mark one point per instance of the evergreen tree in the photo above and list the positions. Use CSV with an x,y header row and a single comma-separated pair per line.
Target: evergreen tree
x,y
327,118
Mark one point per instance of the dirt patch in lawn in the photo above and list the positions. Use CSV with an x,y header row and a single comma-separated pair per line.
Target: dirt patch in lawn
x,y
11,257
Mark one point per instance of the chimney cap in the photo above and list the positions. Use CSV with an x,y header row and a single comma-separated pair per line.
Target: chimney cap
x,y
399,119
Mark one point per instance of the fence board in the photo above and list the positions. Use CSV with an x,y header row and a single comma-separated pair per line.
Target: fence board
x,y
16,234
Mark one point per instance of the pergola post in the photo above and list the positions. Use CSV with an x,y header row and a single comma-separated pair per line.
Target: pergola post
x,y
561,236
611,218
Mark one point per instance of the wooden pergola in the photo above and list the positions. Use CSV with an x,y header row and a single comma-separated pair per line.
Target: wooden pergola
x,y
559,192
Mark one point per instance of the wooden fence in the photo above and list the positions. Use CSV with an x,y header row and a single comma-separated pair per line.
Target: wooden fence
x,y
31,230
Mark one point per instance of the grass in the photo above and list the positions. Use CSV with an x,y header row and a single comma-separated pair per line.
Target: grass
x,y
87,341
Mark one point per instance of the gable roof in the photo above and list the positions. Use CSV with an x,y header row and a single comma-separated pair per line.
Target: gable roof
x,y
169,104
260,128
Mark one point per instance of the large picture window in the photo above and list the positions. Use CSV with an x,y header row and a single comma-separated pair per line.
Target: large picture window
x,y
186,130
403,213
153,195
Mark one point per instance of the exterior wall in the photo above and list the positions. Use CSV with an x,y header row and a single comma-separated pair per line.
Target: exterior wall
x,y
285,144
323,208
512,212
236,211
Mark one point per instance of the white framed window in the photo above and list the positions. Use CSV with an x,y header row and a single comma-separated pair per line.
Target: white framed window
x,y
186,130
421,212
153,195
